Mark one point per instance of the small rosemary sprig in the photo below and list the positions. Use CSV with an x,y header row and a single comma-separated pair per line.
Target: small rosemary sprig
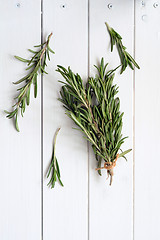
x,y
36,65
54,170
125,58
96,111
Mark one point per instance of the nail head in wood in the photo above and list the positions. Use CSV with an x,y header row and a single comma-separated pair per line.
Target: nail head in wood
x,y
18,5
155,5
110,5
63,6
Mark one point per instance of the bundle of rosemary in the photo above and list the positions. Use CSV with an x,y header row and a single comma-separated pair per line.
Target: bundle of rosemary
x,y
35,65
95,109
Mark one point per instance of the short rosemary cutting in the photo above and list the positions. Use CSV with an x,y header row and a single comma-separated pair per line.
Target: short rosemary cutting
x,y
54,170
95,109
35,65
125,57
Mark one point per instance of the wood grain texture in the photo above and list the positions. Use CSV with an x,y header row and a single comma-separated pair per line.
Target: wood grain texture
x,y
147,119
110,207
20,152
65,209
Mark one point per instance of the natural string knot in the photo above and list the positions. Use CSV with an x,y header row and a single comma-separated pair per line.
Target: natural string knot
x,y
109,167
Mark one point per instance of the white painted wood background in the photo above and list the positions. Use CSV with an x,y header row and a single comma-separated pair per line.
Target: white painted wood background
x,y
87,208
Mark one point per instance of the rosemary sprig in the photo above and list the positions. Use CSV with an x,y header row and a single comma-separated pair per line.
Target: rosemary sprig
x,y
35,65
125,58
54,170
96,111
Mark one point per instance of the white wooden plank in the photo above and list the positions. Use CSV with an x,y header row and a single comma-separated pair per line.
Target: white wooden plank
x,y
65,209
20,152
147,115
110,207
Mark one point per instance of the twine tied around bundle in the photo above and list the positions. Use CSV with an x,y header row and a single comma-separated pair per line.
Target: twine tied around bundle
x,y
109,167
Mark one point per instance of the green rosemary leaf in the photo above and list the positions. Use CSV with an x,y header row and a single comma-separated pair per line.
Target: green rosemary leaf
x,y
132,60
34,57
49,171
21,59
60,181
30,50
124,153
23,106
10,114
103,108
63,68
31,66
28,96
48,55
35,84
99,164
22,79
40,45
57,167
43,71
51,50
17,128
6,112
131,65
123,156
58,173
